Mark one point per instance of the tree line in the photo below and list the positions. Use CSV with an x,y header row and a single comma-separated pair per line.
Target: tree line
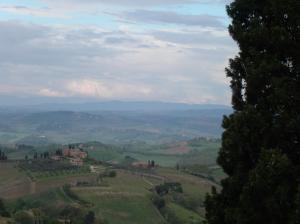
x,y
3,156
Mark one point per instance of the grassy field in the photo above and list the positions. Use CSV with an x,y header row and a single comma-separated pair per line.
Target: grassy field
x,y
51,203
121,206
8,171
193,187
15,183
105,154
11,137
160,159
126,198
181,215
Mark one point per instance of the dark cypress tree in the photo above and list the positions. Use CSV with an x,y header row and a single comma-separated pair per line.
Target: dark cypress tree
x,y
3,211
261,143
35,155
89,218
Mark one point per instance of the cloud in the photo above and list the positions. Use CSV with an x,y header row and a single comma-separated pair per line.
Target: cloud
x,y
50,93
123,49
137,2
150,16
205,38
120,40
6,88
183,65
13,32
24,10
126,2
35,44
100,89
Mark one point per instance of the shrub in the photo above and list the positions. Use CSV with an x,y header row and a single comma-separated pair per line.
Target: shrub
x,y
158,202
23,217
112,173
3,211
89,218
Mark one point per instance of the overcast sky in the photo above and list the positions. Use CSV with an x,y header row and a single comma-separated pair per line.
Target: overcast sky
x,y
133,50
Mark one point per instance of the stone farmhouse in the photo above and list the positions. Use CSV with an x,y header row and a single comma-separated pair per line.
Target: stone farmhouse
x,y
74,153
75,156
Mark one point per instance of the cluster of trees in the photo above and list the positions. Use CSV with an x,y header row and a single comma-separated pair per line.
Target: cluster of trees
x,y
25,212
3,156
261,143
72,214
59,152
151,163
47,154
171,193
68,215
164,189
106,173
72,146
47,165
36,155
43,155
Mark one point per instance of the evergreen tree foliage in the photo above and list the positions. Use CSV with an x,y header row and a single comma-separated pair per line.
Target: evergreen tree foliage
x,y
3,211
89,218
260,150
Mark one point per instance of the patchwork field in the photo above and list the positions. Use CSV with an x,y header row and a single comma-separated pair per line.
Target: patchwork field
x,y
15,183
126,198
109,186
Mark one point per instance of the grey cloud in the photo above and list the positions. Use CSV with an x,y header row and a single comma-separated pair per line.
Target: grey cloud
x,y
138,2
202,37
150,16
15,33
13,7
124,2
118,40
35,44
46,57
40,12
141,2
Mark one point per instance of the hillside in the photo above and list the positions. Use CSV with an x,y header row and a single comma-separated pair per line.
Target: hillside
x,y
38,104
116,127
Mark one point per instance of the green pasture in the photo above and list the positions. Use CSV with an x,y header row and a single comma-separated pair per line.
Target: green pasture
x,y
123,199
179,214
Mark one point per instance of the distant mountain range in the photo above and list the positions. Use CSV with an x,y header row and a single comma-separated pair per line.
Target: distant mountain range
x,y
110,122
114,106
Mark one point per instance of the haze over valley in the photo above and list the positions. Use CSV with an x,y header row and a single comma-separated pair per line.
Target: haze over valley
x,y
109,122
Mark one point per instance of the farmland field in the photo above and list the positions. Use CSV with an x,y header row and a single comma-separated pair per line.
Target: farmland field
x,y
109,186
125,198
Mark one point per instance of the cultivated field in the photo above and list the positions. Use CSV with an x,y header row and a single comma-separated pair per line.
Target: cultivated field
x,y
110,186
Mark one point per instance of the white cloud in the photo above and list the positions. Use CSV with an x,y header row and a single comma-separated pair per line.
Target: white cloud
x,y
100,89
125,2
180,65
50,93
136,2
40,12
169,17
7,89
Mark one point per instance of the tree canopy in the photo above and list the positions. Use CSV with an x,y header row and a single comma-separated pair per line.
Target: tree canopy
x,y
260,150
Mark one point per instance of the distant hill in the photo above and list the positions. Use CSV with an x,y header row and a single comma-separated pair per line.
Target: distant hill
x,y
128,122
114,106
